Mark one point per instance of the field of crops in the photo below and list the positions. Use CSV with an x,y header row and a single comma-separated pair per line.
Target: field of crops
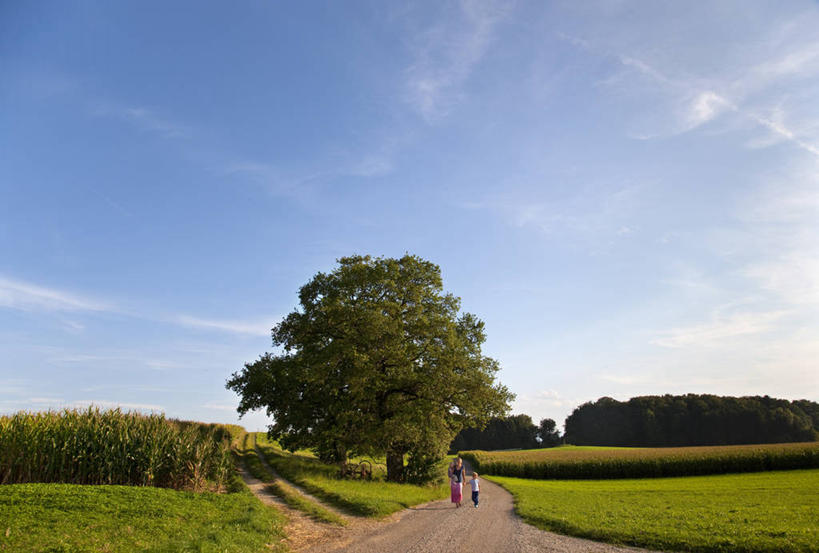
x,y
594,463
113,447
763,512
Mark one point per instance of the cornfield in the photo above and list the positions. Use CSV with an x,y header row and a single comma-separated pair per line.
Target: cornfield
x,y
113,447
570,463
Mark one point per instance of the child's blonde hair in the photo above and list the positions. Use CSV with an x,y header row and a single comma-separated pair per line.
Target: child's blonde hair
x,y
474,475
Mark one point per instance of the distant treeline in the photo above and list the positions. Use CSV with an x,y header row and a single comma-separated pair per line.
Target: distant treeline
x,y
514,432
689,420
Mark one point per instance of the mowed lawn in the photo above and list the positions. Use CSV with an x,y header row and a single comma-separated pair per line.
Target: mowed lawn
x,y
77,518
752,512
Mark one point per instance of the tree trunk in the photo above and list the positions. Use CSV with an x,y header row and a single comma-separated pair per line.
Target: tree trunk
x,y
341,454
395,466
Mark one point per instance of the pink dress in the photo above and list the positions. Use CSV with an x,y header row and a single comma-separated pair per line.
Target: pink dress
x,y
456,487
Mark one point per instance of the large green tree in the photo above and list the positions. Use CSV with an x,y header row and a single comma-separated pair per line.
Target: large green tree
x,y
377,359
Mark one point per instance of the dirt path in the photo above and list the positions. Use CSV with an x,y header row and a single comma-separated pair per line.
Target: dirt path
x,y
491,528
431,528
301,530
299,489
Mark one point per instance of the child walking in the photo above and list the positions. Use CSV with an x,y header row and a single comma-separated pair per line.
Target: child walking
x,y
476,488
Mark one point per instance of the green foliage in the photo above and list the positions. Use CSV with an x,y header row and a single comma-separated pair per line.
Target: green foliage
x,y
512,432
548,433
113,447
689,420
90,519
600,463
363,498
768,512
376,360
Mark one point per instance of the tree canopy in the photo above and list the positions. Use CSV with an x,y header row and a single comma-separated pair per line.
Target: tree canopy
x,y
512,432
377,359
688,420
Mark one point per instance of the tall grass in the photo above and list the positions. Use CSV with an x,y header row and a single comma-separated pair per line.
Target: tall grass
x,y
560,463
93,446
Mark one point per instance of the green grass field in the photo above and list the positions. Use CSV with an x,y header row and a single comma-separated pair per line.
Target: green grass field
x,y
752,512
374,498
79,518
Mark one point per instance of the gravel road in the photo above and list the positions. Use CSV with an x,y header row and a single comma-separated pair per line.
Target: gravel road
x,y
440,527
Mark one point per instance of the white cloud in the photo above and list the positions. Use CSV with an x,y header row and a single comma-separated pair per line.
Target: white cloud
x,y
705,107
446,54
545,403
143,119
765,80
720,329
257,327
24,296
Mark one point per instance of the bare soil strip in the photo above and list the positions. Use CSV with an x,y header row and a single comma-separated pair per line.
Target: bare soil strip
x,y
298,488
301,530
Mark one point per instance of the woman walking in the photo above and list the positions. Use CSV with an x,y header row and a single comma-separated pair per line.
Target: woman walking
x,y
456,481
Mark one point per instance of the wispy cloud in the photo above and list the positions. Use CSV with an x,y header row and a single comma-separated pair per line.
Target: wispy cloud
x,y
719,329
143,119
446,54
704,105
761,83
591,215
257,327
25,296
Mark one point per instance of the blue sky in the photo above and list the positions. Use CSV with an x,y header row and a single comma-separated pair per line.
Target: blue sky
x,y
627,193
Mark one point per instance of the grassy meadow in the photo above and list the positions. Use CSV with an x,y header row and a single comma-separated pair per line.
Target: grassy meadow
x,y
572,462
754,512
375,498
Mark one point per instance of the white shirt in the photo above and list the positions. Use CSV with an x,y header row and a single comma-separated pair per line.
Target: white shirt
x,y
476,484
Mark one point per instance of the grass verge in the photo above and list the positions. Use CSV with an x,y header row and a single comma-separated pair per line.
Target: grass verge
x,y
755,512
287,493
374,498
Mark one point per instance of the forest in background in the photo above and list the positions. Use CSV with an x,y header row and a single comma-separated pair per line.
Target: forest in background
x,y
656,421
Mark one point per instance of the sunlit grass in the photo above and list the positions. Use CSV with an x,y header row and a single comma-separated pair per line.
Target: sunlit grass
x,y
79,518
754,512
375,498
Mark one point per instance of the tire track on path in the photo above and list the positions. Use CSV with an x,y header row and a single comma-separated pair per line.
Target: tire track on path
x,y
304,493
